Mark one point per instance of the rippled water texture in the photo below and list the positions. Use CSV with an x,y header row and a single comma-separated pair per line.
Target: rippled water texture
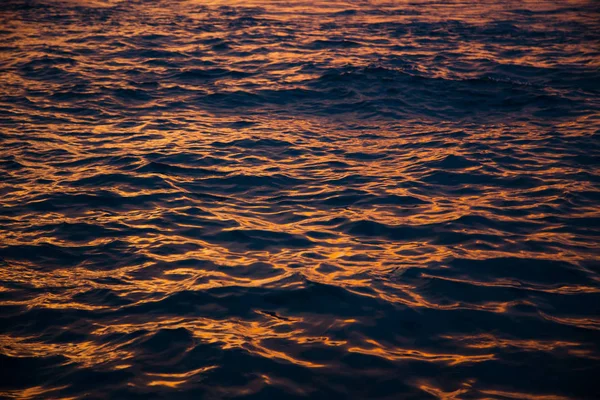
x,y
329,200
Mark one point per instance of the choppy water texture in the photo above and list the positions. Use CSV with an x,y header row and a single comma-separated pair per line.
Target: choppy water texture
x,y
357,199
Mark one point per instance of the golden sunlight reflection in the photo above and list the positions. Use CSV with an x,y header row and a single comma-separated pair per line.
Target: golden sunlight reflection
x,y
340,199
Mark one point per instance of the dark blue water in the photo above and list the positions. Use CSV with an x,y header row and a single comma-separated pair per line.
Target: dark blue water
x,y
301,199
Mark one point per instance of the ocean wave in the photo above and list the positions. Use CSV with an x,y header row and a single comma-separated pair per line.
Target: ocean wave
x,y
303,200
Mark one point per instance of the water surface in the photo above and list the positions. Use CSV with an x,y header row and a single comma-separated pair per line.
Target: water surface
x,y
299,199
